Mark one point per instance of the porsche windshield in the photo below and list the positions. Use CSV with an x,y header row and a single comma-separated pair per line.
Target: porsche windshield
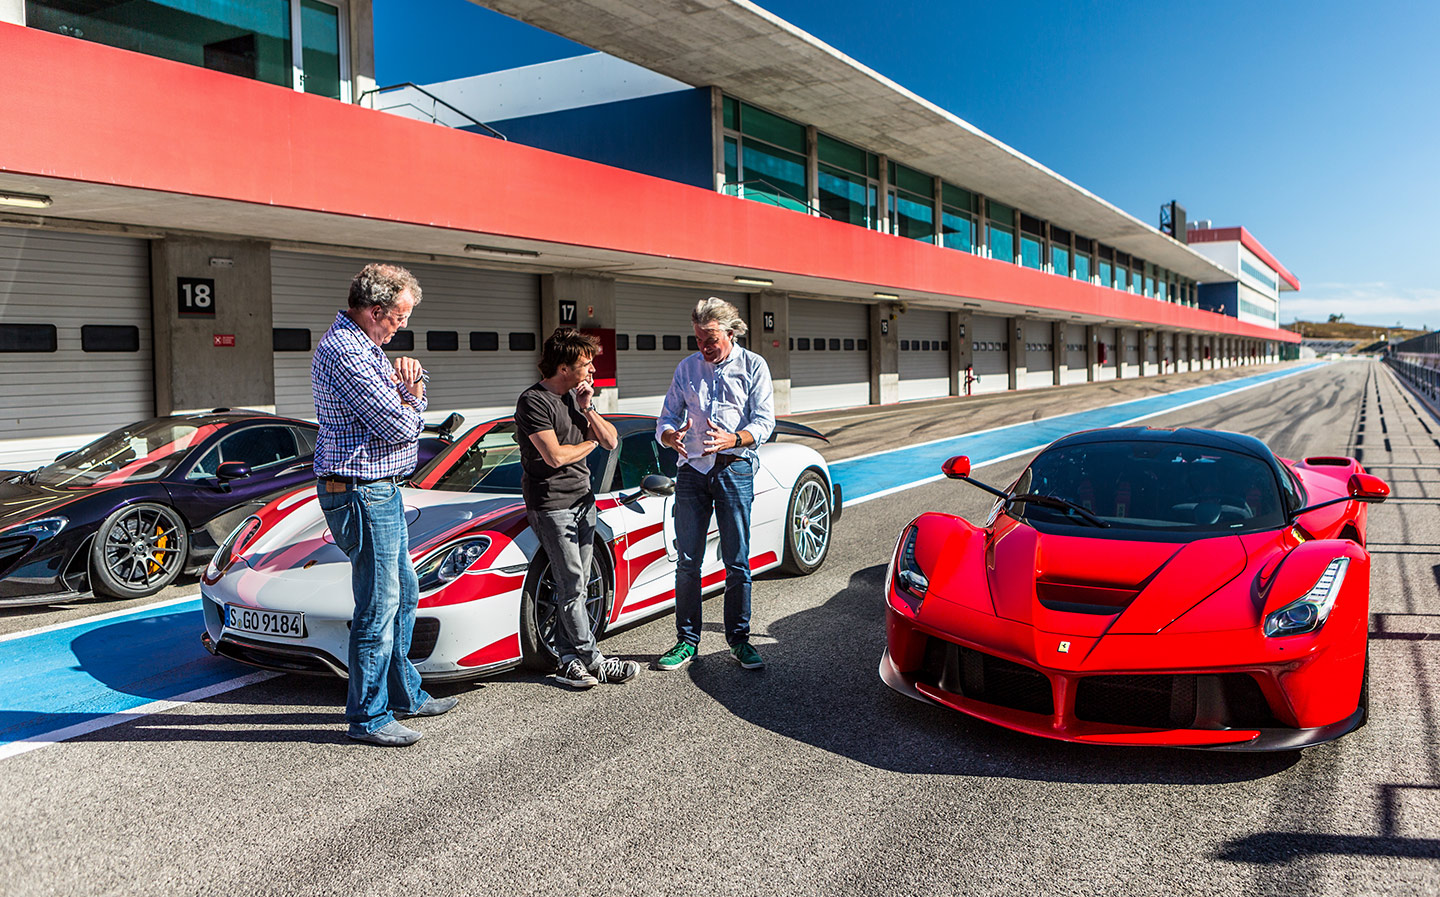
x,y
1176,489
145,451
492,464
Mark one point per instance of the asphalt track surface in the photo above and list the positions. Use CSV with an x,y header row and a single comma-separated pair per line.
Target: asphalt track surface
x,y
810,777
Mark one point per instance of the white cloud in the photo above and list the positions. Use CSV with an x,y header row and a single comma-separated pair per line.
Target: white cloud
x,y
1364,303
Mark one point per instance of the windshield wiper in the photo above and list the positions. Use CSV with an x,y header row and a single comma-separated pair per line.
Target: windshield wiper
x,y
1051,501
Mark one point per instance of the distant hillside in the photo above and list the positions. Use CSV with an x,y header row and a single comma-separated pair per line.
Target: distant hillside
x,y
1344,330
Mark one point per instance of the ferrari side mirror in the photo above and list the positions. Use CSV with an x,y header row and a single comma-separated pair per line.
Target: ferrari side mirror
x,y
957,468
1368,487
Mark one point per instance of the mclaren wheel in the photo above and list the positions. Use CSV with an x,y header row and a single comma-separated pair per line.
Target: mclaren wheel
x,y
807,525
539,616
139,550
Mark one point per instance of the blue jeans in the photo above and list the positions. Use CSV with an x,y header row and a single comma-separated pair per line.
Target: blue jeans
x,y
568,538
368,522
728,493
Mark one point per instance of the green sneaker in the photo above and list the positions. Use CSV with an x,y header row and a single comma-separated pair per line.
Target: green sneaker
x,y
677,657
746,656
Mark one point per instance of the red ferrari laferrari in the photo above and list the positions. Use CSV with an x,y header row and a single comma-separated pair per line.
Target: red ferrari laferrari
x,y
1139,586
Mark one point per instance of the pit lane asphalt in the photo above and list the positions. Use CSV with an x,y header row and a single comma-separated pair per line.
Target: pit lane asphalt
x,y
808,777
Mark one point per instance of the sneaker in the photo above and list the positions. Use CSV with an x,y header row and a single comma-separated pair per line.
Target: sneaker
x,y
677,657
575,675
613,669
392,734
746,656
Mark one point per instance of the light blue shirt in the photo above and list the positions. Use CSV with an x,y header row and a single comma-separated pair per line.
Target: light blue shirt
x,y
734,395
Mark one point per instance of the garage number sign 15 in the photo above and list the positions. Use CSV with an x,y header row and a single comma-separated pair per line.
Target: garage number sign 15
x,y
197,297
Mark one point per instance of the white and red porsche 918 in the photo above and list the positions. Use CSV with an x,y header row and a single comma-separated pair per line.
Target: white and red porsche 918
x,y
277,595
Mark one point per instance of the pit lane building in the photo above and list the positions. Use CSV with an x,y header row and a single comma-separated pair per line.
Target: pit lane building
x,y
186,189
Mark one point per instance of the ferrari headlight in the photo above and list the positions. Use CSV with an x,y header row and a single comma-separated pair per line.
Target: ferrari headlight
x,y
909,578
230,549
446,565
39,530
1309,612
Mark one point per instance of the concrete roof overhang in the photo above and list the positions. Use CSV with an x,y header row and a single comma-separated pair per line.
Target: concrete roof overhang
x,y
175,149
754,55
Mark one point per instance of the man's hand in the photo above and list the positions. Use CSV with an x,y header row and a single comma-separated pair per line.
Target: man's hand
x,y
584,394
720,440
408,374
676,439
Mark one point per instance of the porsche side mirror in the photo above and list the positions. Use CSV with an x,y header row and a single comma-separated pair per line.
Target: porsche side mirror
x,y
655,484
232,470
957,468
1368,487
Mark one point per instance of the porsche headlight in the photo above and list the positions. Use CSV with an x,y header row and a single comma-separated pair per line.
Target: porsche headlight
x,y
909,578
446,565
39,530
230,549
1309,612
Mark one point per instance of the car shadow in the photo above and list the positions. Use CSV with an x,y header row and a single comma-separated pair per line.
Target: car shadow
x,y
821,687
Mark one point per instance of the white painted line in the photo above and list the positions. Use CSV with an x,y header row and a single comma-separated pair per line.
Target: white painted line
x,y
46,739
95,619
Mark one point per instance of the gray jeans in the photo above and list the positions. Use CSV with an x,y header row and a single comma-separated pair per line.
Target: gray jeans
x,y
567,537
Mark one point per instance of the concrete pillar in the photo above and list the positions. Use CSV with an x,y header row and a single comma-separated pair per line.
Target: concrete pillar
x,y
772,308
1142,351
812,168
1121,352
1092,353
12,11
593,309
962,352
884,355
1059,353
361,34
1017,350
225,357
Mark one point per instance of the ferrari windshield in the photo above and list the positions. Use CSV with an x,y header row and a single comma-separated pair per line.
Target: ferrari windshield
x,y
1177,489
492,464
145,451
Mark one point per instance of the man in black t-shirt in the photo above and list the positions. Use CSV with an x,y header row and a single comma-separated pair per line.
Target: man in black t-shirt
x,y
559,426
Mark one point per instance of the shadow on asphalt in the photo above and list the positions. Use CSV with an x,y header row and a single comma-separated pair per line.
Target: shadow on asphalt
x,y
821,687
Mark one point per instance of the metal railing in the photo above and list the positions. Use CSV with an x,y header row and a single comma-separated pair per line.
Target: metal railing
x,y
433,113
771,195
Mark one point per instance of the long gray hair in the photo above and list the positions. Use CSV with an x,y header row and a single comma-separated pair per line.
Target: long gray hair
x,y
717,312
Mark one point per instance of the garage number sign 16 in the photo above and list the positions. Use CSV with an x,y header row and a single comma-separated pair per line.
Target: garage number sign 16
x,y
197,297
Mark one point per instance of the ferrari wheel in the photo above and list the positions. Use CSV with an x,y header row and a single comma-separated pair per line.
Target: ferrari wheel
x,y
139,550
540,617
807,525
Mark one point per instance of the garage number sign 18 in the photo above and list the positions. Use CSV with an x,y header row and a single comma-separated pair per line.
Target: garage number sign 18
x,y
197,297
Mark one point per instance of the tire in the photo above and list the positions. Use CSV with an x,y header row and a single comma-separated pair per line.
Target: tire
x,y
138,551
538,619
807,524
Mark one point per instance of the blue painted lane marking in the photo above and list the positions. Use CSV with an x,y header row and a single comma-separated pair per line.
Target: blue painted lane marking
x,y
890,471
63,678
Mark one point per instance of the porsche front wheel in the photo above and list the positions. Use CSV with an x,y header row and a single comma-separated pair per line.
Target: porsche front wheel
x,y
807,524
139,550
540,616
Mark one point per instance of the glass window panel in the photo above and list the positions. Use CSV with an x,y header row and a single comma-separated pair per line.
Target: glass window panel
x,y
1106,274
960,199
1060,260
320,48
773,175
841,155
844,196
771,128
732,167
1160,290
1030,252
1001,241
732,113
250,39
1000,212
1082,267
912,216
1149,286
957,230
912,181
1121,278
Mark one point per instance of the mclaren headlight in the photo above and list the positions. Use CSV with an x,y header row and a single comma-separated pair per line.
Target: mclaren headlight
x,y
446,565
1309,612
238,540
909,578
39,530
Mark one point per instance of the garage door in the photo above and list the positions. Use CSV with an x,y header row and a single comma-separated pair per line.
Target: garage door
x,y
990,342
1129,352
1039,354
924,354
1152,352
1075,355
75,337
652,335
1106,371
476,332
829,354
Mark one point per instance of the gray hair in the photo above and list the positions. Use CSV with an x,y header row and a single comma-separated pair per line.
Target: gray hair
x,y
378,284
719,313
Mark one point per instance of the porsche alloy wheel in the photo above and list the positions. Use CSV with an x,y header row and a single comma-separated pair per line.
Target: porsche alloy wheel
x,y
139,550
807,524
539,615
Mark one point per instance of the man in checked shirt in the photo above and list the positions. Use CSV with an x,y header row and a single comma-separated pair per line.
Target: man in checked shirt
x,y
369,414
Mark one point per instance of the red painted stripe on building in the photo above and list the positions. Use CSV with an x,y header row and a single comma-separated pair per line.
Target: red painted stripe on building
x,y
167,126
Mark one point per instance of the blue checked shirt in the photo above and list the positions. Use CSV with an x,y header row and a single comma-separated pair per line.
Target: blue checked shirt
x,y
368,423
734,395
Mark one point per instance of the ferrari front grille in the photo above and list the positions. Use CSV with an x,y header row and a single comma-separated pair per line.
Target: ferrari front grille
x,y
984,677
423,639
1181,701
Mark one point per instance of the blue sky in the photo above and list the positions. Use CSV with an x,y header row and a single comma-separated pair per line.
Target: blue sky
x,y
1314,124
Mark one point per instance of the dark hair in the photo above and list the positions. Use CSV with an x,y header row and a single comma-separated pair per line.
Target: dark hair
x,y
378,284
566,346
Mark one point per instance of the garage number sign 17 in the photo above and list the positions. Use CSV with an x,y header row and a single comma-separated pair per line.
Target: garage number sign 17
x,y
197,297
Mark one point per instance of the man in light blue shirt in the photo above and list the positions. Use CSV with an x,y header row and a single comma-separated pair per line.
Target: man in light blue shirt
x,y
719,407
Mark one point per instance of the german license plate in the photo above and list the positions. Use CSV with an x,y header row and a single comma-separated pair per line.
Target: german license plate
x,y
264,622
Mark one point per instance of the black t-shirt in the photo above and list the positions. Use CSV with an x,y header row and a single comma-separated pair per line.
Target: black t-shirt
x,y
549,488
